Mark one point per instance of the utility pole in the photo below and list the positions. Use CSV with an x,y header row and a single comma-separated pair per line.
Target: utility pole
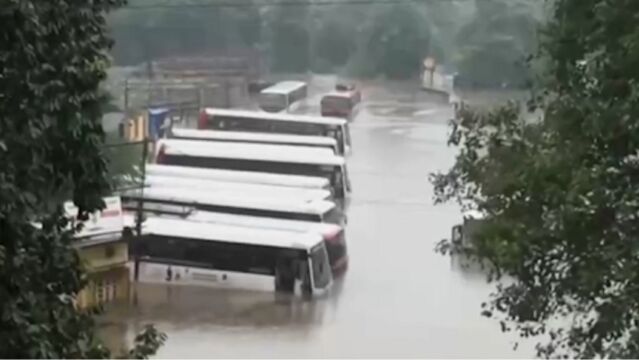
x,y
139,212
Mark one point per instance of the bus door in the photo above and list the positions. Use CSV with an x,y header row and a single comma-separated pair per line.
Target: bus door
x,y
285,273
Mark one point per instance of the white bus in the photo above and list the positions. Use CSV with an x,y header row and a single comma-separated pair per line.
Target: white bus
x,y
244,177
255,148
265,158
254,121
256,138
292,259
212,186
282,96
333,235
180,201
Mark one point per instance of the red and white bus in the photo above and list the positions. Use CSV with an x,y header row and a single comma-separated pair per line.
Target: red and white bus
x,y
334,235
256,121
343,104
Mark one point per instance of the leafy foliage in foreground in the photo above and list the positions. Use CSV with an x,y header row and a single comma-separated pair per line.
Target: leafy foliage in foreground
x,y
560,191
52,60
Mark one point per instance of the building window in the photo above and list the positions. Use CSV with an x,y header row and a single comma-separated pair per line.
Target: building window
x,y
105,291
99,292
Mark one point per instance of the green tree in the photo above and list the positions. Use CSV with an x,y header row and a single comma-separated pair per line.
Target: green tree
x,y
158,32
395,43
445,19
334,43
53,56
559,190
288,40
494,45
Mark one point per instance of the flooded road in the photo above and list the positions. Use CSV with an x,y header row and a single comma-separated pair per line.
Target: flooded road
x,y
398,299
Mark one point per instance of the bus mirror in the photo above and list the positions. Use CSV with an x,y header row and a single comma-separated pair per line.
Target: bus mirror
x,y
345,219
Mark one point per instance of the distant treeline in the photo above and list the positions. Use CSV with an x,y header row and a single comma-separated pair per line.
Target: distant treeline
x,y
485,42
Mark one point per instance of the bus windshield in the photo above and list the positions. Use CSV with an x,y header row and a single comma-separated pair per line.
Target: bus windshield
x,y
321,269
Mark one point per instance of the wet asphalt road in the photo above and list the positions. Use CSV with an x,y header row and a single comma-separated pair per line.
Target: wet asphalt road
x,y
398,299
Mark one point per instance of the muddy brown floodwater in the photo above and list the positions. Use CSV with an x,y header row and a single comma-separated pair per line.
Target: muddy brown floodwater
x,y
398,299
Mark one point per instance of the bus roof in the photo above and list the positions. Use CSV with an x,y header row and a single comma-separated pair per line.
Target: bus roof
x,y
269,153
283,87
243,188
250,177
253,148
341,94
163,226
258,115
240,136
265,222
232,199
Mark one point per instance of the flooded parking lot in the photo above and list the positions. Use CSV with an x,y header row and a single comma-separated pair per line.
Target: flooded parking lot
x,y
398,299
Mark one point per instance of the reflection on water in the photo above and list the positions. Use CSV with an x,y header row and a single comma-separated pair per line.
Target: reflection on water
x,y
194,306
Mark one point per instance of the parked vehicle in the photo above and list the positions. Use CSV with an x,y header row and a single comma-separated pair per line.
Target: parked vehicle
x,y
334,235
240,177
342,104
181,201
323,142
255,121
283,96
264,158
237,256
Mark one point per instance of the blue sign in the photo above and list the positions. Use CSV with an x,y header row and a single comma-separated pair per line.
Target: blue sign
x,y
157,120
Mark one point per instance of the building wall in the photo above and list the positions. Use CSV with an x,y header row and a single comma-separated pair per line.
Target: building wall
x,y
103,256
106,265
105,287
